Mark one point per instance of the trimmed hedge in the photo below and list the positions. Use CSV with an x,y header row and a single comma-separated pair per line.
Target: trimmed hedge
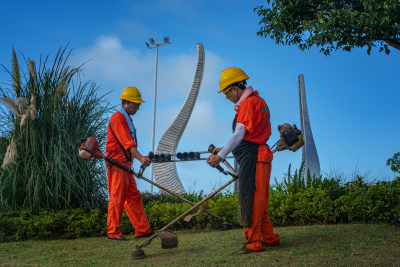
x,y
357,202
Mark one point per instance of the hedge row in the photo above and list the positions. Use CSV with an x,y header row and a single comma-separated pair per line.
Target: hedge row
x,y
358,202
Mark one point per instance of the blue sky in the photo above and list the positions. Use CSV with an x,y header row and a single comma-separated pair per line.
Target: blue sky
x,y
352,97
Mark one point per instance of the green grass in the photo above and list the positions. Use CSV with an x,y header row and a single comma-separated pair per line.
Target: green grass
x,y
319,245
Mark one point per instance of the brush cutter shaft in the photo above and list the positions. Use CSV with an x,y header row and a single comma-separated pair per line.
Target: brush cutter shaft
x,y
148,241
176,195
178,160
233,172
119,165
200,152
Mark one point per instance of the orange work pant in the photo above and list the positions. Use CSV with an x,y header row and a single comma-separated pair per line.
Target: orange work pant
x,y
261,229
123,193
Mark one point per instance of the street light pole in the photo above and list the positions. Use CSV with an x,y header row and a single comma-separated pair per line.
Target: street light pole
x,y
150,46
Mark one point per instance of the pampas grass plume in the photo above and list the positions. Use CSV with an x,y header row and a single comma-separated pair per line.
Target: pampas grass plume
x,y
11,105
22,102
10,156
32,68
32,108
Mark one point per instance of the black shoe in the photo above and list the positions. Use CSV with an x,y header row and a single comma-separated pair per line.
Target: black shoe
x,y
148,235
265,245
118,238
243,250
225,226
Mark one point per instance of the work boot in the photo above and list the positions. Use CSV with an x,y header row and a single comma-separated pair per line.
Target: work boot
x,y
118,238
243,250
148,235
274,244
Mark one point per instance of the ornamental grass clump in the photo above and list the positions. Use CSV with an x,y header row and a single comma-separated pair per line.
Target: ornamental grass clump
x,y
46,113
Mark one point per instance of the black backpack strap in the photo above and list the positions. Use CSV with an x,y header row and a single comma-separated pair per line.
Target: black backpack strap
x,y
123,149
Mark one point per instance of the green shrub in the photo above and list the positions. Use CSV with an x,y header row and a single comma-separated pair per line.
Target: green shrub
x,y
359,202
312,206
226,207
355,201
309,206
73,223
160,214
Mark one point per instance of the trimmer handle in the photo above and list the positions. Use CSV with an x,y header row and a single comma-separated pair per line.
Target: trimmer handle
x,y
151,155
211,149
142,168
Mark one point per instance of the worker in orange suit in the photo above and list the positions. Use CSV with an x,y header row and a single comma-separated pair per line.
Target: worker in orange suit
x,y
121,147
251,131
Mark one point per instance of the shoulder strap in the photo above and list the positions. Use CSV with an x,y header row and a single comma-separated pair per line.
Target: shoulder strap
x,y
234,124
123,149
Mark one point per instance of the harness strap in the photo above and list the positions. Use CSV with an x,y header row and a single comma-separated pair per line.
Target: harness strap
x,y
123,149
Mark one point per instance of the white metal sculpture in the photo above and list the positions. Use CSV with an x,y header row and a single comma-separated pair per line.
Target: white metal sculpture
x,y
165,174
309,151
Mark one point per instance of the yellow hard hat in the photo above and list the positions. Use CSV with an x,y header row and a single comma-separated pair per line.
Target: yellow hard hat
x,y
132,94
230,76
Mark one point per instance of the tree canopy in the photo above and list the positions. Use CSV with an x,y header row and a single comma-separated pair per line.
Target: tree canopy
x,y
332,24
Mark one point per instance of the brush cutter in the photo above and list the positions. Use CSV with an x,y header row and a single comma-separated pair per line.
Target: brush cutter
x,y
290,138
138,253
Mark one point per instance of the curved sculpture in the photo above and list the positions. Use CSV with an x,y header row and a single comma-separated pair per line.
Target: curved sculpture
x,y
309,151
165,173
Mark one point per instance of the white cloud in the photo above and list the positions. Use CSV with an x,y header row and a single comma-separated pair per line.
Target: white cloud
x,y
205,125
113,65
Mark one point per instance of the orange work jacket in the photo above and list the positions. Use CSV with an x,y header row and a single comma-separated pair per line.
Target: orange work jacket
x,y
254,114
121,130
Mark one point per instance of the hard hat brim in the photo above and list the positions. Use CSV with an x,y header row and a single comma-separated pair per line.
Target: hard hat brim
x,y
239,79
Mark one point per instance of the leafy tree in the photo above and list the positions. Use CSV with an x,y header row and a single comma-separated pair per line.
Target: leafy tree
x,y
45,116
332,24
394,163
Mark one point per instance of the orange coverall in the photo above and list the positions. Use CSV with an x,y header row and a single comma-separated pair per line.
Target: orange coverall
x,y
122,186
254,114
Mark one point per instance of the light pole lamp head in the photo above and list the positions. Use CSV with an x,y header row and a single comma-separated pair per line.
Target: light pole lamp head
x,y
151,41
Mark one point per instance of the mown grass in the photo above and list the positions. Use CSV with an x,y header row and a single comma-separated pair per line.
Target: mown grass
x,y
318,245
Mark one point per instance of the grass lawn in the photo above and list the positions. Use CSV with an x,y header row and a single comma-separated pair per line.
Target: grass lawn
x,y
318,245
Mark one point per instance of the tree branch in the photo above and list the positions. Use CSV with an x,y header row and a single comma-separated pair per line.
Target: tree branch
x,y
395,44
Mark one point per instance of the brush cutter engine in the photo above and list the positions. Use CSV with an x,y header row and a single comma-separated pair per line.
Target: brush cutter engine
x,y
90,149
291,138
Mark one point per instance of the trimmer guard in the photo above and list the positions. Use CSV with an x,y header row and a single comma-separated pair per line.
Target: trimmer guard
x,y
168,239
